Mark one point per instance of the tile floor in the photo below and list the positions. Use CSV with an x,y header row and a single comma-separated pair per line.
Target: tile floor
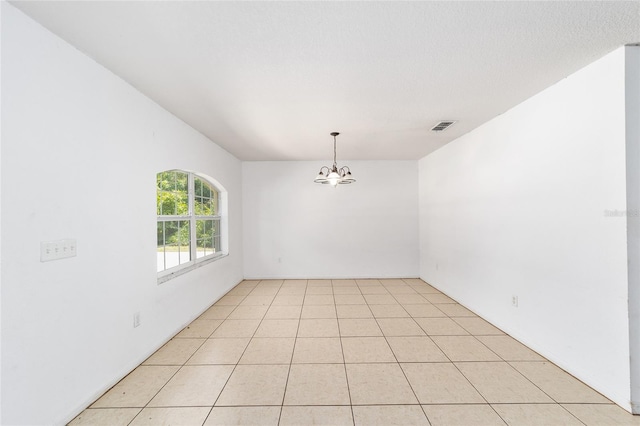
x,y
345,352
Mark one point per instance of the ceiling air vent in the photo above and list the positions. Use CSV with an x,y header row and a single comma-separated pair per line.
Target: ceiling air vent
x,y
442,126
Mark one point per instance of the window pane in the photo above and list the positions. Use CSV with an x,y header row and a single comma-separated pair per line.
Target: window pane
x,y
207,233
182,182
172,194
204,247
176,250
200,207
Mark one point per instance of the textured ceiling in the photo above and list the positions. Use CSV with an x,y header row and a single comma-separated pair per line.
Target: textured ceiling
x,y
271,80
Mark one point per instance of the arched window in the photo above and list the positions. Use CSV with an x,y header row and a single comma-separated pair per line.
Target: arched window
x,y
188,208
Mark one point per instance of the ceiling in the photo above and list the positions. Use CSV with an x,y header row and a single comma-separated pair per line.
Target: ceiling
x,y
271,80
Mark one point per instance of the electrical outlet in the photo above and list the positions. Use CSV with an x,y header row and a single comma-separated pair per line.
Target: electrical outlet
x,y
514,301
136,319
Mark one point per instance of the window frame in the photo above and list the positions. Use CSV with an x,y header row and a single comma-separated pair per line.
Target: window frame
x,y
191,217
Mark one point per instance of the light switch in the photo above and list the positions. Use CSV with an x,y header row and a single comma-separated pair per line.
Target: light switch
x,y
59,249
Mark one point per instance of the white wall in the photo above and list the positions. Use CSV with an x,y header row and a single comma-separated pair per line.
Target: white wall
x,y
295,228
632,101
80,151
517,207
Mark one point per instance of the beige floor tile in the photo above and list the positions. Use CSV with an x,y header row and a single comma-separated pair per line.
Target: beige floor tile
x,y
354,311
401,289
389,282
440,383
380,299
464,348
266,290
318,350
229,301
366,350
426,289
167,416
477,326
509,348
399,327
249,283
558,384
416,349
316,415
219,351
602,415
388,311
410,299
440,327
246,416
248,312
217,312
344,283
318,328
174,352
383,415
288,300
498,382
535,415
137,389
193,385
426,310
105,417
255,385
359,327
438,298
257,300
236,328
273,350
368,282
454,309
414,281
449,415
318,311
278,328
274,282
371,384
199,328
240,291
374,289
318,299
346,290
318,283
294,283
319,290
317,384
292,291
283,312
349,299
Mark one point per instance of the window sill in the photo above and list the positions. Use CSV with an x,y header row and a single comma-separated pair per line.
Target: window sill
x,y
178,272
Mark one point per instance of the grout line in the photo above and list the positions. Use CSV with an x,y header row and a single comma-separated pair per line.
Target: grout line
x,y
295,341
344,361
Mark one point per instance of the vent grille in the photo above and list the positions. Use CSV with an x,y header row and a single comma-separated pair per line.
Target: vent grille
x,y
442,126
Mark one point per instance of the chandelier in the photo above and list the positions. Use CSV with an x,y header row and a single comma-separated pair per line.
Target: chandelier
x,y
334,175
